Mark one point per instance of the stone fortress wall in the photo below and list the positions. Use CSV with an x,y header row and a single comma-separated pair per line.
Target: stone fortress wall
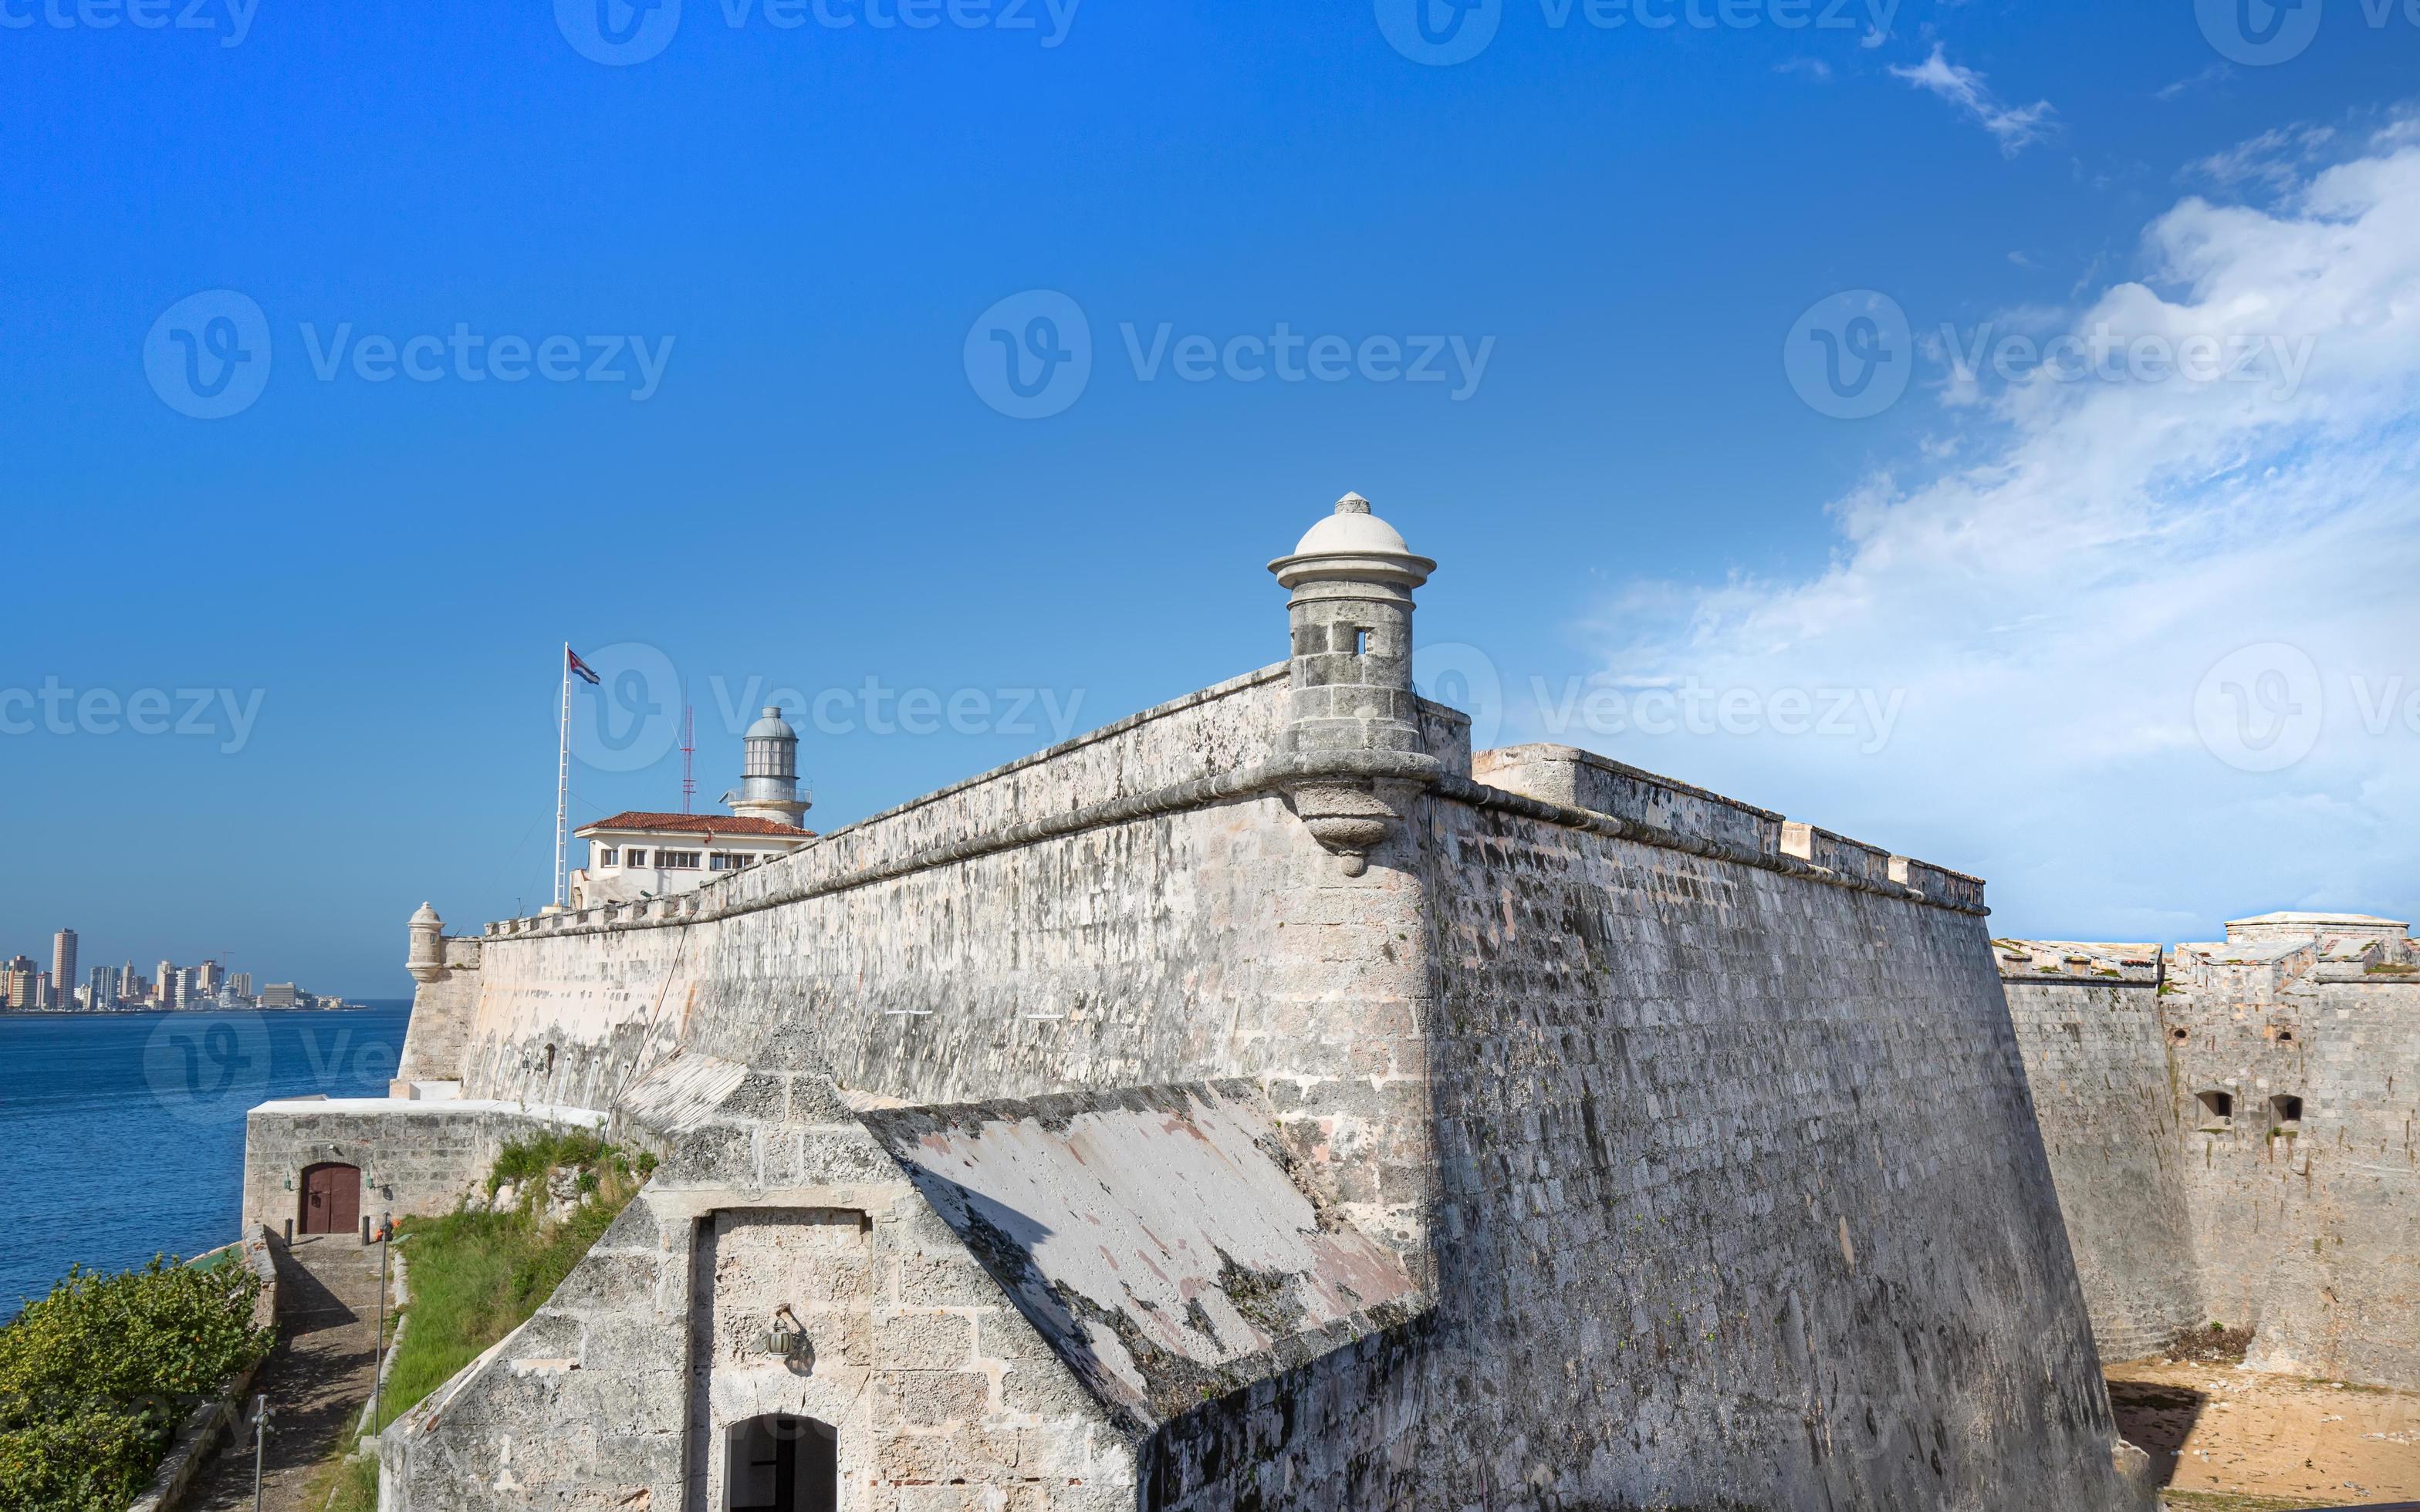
x,y
1648,1150
2232,1126
2087,1020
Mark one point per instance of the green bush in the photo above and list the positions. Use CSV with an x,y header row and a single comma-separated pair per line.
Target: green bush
x,y
93,1459
524,1160
95,1377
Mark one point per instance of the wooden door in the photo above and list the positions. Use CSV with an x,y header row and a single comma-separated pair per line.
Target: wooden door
x,y
332,1199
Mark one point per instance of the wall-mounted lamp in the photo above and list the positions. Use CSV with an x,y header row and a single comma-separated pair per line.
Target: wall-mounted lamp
x,y
787,1335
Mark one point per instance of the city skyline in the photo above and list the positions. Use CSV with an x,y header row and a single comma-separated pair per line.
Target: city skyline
x,y
26,986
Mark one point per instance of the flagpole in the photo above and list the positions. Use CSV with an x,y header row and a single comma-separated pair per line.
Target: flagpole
x,y
562,774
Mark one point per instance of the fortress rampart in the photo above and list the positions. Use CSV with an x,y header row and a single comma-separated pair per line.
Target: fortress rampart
x,y
2232,1128
1264,1101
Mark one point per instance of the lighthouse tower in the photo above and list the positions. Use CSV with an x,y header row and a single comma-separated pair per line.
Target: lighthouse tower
x,y
768,785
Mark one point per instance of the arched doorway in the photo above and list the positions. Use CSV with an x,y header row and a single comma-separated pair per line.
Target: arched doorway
x,y
332,1198
778,1463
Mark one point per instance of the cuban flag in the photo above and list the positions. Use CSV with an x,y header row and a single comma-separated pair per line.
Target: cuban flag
x,y
579,668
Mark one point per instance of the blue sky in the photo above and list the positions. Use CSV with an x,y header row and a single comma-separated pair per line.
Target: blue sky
x,y
1608,235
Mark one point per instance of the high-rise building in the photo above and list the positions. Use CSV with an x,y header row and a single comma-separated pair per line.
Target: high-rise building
x,y
163,989
63,961
278,994
103,995
241,984
46,993
20,981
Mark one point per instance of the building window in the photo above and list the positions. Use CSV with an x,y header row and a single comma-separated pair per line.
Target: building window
x,y
2217,1109
638,859
2286,1113
724,861
608,857
677,861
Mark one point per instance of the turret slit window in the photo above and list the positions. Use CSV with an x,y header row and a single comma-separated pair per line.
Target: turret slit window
x,y
2217,1108
2286,1113
1361,643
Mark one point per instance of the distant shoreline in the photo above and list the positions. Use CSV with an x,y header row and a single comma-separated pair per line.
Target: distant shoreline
x,y
364,1006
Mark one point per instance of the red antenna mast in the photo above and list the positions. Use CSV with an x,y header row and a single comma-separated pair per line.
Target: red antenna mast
x,y
689,758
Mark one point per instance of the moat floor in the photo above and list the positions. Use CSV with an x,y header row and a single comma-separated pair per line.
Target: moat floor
x,y
316,1382
2236,1441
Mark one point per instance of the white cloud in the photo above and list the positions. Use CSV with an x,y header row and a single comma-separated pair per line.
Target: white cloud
x,y
2053,575
2216,73
2015,128
1814,68
2275,159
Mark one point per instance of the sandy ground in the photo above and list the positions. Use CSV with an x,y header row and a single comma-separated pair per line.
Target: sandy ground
x,y
2231,1440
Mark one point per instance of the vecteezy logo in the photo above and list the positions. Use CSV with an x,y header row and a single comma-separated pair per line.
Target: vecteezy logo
x,y
630,718
2261,708
2258,31
1463,677
617,33
208,1068
1852,355
1031,355
1439,33
208,354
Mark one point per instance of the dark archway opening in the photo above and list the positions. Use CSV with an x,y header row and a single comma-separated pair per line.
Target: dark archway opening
x,y
778,1463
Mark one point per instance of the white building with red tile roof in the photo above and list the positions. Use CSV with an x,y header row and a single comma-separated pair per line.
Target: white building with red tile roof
x,y
637,854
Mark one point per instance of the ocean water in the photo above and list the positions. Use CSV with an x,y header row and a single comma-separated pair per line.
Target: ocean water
x,y
121,1134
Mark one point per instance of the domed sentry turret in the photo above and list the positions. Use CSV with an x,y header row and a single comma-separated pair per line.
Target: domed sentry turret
x,y
426,959
1352,580
769,784
1351,747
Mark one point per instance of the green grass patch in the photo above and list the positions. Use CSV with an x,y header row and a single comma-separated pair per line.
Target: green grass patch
x,y
476,1276
345,1485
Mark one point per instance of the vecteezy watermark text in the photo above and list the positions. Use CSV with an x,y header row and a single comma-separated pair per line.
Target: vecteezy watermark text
x,y
1852,355
632,718
208,356
56,709
212,1066
230,18
619,32
1864,714
2259,33
1030,356
2106,357
1441,33
1463,676
2264,707
875,707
